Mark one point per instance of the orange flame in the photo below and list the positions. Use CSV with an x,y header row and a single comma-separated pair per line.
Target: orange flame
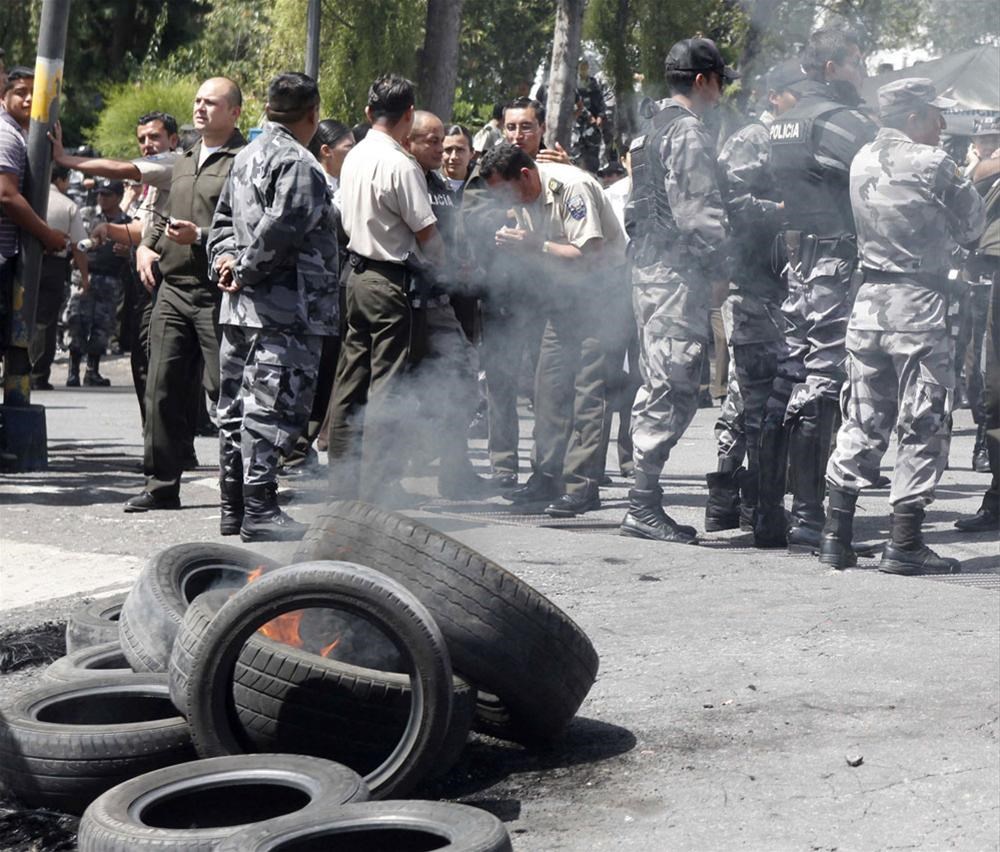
x,y
325,652
284,628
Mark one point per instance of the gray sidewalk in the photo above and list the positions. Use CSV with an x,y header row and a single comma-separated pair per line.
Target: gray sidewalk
x,y
735,684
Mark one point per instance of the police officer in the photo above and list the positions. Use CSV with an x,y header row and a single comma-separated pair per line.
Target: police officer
x,y
387,216
567,230
90,314
912,206
273,248
751,312
812,146
677,225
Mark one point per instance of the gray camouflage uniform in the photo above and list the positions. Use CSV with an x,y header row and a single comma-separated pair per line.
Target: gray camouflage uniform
x,y
911,206
275,216
751,315
671,296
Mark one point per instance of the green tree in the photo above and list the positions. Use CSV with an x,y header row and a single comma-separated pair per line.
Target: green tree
x,y
114,135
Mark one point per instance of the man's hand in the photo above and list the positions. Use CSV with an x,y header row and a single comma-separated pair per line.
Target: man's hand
x,y
182,232
554,155
519,238
55,240
55,137
145,257
224,265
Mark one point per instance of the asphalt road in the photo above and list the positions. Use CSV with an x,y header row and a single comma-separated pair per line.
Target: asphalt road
x,y
735,684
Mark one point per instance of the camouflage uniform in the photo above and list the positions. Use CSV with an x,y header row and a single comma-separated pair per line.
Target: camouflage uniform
x,y
911,206
275,216
672,292
812,145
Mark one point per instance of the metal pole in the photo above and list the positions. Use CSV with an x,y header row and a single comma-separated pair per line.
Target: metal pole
x,y
22,431
312,39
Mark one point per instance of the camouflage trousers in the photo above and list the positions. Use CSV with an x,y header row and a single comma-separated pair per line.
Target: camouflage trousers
x,y
671,368
754,333
903,380
91,315
267,380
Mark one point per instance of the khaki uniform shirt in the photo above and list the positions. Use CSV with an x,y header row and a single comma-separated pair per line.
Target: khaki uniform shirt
x,y
63,215
384,199
157,171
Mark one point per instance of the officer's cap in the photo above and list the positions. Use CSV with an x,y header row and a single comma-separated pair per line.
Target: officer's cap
x,y
784,75
989,126
111,187
699,55
910,93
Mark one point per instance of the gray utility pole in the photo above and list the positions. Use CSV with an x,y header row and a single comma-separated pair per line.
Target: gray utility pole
x,y
24,435
312,39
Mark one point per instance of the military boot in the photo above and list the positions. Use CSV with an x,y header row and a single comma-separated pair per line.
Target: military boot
x,y
808,451
230,491
263,520
835,547
73,377
980,455
93,378
722,511
987,519
748,498
770,526
646,518
906,553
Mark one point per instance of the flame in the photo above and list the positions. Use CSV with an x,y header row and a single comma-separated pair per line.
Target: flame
x,y
255,574
285,628
325,651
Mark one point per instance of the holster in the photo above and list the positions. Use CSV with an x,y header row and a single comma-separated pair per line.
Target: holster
x,y
420,280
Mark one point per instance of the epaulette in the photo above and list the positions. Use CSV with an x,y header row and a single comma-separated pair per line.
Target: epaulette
x,y
555,186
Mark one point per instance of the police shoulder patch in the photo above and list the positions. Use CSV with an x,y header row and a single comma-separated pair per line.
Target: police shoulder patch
x,y
577,208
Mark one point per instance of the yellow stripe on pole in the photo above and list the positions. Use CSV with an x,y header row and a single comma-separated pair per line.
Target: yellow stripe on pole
x,y
48,86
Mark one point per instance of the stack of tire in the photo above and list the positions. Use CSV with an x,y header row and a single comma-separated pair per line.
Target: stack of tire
x,y
186,637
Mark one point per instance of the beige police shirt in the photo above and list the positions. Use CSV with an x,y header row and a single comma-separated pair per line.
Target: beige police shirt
x,y
383,199
157,171
64,215
573,209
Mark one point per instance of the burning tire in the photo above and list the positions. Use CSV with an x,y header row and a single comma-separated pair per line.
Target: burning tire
x,y
378,825
94,624
196,805
502,634
360,591
107,660
172,578
288,699
63,744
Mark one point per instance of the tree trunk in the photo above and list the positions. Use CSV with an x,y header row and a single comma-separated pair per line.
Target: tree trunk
x,y
439,58
562,77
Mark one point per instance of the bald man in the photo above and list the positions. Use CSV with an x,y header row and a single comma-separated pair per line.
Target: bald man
x,y
185,317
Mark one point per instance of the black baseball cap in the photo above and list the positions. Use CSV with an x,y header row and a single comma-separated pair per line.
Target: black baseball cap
x,y
113,187
699,55
784,75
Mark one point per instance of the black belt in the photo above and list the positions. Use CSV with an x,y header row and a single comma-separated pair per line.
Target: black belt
x,y
360,263
937,282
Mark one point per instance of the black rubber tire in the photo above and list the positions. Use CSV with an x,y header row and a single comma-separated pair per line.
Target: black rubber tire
x,y
292,701
502,634
208,694
51,763
107,660
386,825
171,579
117,820
95,623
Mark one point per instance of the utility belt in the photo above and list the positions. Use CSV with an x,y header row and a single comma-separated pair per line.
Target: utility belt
x,y
940,283
360,263
803,250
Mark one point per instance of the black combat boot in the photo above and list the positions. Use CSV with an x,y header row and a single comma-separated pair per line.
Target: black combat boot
x,y
230,490
722,511
770,526
748,498
263,520
835,547
906,553
93,378
808,452
987,519
540,488
980,455
646,518
73,377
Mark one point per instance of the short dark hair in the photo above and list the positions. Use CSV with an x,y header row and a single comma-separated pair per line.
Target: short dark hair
x,y
526,103
290,96
497,114
15,75
59,172
389,97
329,132
830,44
165,118
457,129
360,131
504,159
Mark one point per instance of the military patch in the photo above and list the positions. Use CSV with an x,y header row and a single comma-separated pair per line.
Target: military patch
x,y
577,208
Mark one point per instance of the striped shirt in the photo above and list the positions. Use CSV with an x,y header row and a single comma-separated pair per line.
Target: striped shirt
x,y
13,160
